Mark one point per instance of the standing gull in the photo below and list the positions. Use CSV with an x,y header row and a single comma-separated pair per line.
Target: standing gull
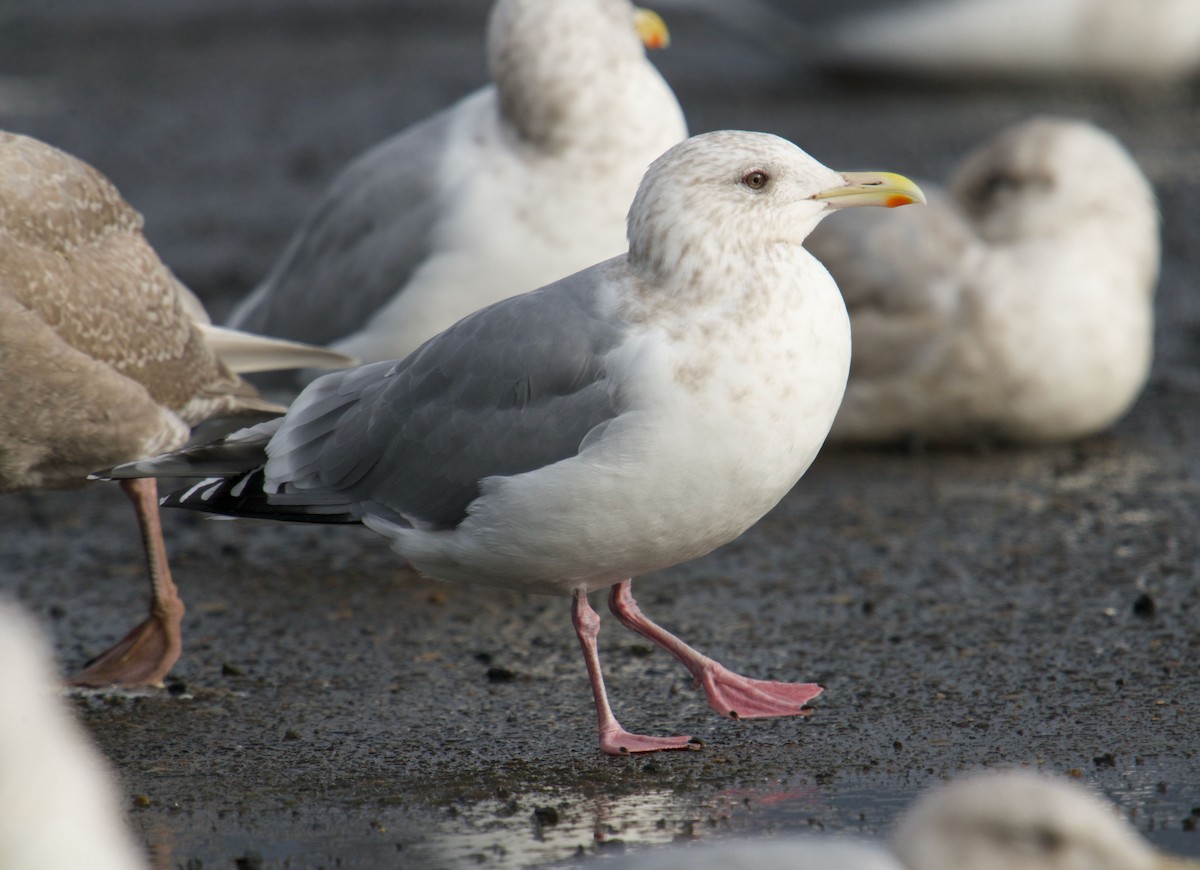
x,y
515,186
105,357
634,415
1017,307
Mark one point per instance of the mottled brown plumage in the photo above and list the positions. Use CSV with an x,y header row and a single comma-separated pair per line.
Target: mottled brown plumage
x,y
103,359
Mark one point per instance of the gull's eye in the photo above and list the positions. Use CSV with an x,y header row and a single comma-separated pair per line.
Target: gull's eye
x,y
756,179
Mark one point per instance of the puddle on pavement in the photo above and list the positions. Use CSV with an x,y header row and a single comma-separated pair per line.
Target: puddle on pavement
x,y
552,829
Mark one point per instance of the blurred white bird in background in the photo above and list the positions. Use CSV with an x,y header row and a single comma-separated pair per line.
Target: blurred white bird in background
x,y
518,184
1017,306
1129,41
59,806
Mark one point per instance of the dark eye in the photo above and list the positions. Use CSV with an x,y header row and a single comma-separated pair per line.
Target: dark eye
x,y
756,179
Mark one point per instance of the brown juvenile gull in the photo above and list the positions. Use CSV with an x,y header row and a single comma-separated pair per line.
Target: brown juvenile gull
x,y
515,186
105,357
1128,41
629,417
1017,307
60,808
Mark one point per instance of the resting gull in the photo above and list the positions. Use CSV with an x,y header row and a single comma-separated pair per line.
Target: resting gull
x,y
104,358
515,186
1019,820
1018,307
59,808
1114,40
631,416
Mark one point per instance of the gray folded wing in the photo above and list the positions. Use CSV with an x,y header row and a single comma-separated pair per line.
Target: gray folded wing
x,y
361,243
510,389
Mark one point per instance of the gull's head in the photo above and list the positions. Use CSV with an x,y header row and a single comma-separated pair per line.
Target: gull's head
x,y
742,193
1015,820
1044,176
565,69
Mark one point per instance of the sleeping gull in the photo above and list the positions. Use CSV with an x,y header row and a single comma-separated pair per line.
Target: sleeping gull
x,y
515,186
1018,307
1017,820
105,357
59,807
634,415
1115,40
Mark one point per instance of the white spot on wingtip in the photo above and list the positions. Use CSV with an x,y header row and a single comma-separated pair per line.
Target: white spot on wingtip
x,y
192,491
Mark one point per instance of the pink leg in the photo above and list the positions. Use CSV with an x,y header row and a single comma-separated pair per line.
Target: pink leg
x,y
146,655
728,693
614,740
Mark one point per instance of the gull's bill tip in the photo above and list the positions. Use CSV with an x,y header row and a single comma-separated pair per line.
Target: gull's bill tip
x,y
886,189
651,28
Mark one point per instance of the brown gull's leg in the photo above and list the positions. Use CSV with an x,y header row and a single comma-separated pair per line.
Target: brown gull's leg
x,y
728,693
146,655
614,740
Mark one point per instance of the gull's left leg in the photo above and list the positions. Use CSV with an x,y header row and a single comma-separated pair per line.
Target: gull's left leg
x,y
614,740
146,655
728,693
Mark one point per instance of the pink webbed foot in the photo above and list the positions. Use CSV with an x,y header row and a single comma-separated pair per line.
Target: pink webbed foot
x,y
730,694
146,655
740,697
143,657
618,741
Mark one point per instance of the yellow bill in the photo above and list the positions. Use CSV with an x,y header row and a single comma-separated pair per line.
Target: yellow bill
x,y
651,28
886,189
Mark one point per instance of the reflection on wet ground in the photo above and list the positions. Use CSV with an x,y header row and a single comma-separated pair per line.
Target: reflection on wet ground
x,y
556,827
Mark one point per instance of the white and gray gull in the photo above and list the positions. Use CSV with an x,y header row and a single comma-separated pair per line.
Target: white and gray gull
x,y
629,417
517,185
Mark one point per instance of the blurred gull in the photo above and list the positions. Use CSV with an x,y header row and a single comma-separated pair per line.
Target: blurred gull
x,y
59,807
1016,307
634,415
1018,820
515,186
105,357
1117,40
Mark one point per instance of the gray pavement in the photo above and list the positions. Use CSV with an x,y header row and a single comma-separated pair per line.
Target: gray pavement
x,y
963,608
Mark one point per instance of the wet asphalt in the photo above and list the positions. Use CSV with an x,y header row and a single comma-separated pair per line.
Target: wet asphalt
x,y
966,608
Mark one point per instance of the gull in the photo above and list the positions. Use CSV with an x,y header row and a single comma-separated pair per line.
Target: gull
x,y
1017,307
515,186
1114,40
59,805
1019,820
629,417
105,357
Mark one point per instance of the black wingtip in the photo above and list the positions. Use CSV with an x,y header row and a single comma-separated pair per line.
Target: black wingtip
x,y
243,496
